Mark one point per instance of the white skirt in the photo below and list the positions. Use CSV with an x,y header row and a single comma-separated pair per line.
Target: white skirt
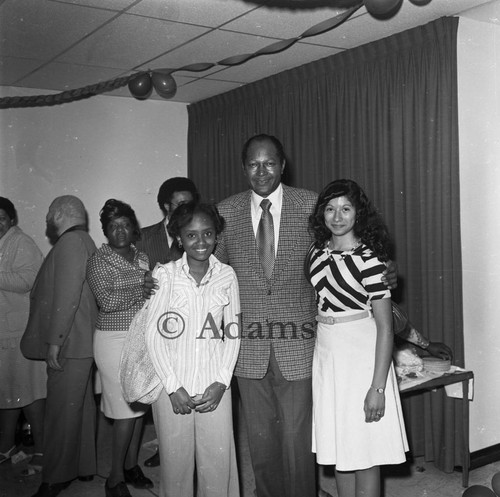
x,y
343,363
108,347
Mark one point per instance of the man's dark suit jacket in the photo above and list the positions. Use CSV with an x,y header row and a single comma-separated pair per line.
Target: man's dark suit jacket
x,y
63,310
154,243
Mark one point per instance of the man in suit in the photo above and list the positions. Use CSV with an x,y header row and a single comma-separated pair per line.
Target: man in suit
x,y
60,331
274,367
155,241
278,322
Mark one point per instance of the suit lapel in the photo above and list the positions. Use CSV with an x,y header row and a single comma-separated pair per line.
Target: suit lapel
x,y
288,233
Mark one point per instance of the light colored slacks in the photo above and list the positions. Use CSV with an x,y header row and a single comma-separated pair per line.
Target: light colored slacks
x,y
201,440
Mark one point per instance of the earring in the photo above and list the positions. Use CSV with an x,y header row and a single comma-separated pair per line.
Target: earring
x,y
179,242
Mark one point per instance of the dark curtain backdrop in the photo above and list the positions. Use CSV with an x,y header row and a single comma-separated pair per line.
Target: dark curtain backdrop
x,y
385,115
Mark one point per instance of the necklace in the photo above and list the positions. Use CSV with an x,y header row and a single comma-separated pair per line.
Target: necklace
x,y
344,252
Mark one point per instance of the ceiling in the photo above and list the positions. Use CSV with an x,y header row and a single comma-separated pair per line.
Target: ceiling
x,y
61,45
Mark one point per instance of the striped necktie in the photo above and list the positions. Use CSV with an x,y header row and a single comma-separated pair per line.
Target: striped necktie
x,y
265,238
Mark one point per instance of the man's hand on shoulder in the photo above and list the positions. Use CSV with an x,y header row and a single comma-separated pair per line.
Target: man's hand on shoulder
x,y
390,275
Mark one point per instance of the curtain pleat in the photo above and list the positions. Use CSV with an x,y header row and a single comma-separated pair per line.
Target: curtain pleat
x,y
385,115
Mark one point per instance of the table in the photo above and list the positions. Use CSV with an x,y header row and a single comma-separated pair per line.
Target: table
x,y
441,381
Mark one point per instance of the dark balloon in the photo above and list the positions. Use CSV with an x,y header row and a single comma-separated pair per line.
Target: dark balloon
x,y
164,84
420,2
141,87
478,491
382,8
495,483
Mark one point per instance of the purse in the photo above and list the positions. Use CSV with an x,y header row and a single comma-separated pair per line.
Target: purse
x,y
399,318
138,377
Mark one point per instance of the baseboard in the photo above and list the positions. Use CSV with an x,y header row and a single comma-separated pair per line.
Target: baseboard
x,y
484,456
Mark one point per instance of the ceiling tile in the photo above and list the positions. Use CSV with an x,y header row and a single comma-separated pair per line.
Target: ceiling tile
x,y
487,13
264,66
203,88
14,68
116,5
129,40
366,28
280,23
211,13
62,77
213,47
39,28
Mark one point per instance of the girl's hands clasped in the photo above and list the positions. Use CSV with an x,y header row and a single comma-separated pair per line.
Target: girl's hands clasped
x,y
211,397
182,403
374,406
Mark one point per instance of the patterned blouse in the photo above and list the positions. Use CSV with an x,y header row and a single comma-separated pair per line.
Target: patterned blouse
x,y
117,286
347,280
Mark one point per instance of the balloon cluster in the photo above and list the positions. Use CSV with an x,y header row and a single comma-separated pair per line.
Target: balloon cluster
x,y
162,80
387,8
482,491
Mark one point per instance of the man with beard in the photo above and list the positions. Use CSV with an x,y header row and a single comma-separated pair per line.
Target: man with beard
x,y
60,329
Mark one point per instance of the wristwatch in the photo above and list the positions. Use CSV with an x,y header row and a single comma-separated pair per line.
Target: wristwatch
x,y
378,390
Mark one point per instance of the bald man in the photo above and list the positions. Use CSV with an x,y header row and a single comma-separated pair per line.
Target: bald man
x,y
60,329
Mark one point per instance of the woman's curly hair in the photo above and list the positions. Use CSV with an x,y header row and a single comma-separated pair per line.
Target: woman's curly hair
x,y
113,209
369,226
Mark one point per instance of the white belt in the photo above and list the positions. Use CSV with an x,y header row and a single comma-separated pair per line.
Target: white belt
x,y
342,319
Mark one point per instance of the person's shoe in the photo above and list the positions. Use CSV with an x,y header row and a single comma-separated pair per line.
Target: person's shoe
x,y
86,478
119,490
51,489
136,477
153,461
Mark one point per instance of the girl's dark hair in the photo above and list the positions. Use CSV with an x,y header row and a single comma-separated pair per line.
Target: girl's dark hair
x,y
8,207
184,214
369,227
113,209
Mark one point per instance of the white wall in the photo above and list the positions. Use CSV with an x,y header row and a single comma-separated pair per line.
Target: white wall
x,y
479,125
96,149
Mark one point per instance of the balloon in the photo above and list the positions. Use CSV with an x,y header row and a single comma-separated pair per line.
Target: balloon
x,y
141,86
495,483
478,491
164,84
420,2
382,8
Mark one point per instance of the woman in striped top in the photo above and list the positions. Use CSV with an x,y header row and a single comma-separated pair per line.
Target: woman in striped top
x,y
357,418
194,347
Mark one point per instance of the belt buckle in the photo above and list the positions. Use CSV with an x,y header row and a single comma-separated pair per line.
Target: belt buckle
x,y
330,320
